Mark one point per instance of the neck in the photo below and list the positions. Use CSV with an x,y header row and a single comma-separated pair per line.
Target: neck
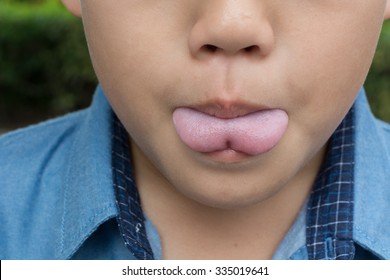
x,y
191,230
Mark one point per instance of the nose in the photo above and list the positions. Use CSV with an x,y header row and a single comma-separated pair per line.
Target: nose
x,y
232,27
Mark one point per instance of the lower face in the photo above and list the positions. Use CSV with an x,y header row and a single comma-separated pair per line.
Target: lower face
x,y
223,59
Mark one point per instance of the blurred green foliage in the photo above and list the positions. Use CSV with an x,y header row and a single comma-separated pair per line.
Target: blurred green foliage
x,y
45,68
378,81
44,62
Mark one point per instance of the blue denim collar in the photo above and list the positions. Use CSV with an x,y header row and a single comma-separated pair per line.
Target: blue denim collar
x,y
89,198
372,181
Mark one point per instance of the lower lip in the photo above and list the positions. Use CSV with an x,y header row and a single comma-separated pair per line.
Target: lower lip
x,y
228,156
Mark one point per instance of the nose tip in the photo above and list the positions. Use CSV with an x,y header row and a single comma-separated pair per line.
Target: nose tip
x,y
231,28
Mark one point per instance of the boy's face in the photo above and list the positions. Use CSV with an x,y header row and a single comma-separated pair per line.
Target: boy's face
x,y
302,60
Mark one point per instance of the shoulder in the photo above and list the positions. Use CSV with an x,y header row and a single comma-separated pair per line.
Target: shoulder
x,y
372,135
385,127
383,134
371,181
32,162
24,149
36,131
53,183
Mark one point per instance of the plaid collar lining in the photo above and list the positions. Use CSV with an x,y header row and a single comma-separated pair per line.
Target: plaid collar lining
x,y
330,208
131,220
329,230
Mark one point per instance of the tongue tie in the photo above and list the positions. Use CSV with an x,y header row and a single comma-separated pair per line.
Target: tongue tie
x,y
252,134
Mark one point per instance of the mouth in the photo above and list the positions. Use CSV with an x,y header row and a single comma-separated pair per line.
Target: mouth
x,y
228,110
230,133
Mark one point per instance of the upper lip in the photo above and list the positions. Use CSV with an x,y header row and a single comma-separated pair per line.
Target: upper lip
x,y
228,109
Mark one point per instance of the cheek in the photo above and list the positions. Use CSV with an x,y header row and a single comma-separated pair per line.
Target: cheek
x,y
325,65
127,53
135,84
138,80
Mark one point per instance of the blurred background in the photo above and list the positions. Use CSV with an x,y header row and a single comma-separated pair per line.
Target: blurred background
x,y
45,70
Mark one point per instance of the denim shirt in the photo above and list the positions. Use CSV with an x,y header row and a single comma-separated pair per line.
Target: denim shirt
x,y
328,212
57,200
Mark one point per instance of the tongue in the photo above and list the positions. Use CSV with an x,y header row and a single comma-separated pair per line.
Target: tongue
x,y
252,134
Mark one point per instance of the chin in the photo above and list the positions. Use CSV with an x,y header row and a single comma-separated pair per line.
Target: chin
x,y
226,198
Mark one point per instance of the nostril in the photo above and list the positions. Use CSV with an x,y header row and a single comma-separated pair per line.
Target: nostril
x,y
210,48
252,49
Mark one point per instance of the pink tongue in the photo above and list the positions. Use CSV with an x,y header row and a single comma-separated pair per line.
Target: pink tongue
x,y
252,134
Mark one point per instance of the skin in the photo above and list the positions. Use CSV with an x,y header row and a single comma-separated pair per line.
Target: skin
x,y
309,58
